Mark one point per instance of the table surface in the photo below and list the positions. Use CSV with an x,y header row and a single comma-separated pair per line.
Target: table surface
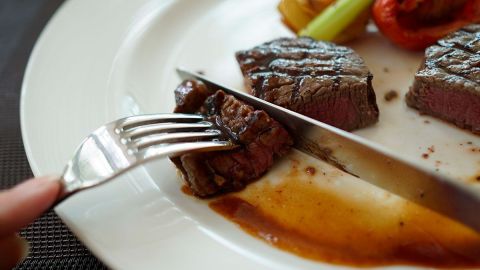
x,y
52,244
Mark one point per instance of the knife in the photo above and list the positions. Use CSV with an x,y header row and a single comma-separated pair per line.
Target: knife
x,y
367,160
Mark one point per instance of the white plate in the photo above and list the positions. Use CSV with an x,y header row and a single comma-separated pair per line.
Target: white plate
x,y
99,60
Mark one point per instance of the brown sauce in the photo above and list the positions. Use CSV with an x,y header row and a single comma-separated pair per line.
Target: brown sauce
x,y
305,215
310,170
187,190
390,95
474,178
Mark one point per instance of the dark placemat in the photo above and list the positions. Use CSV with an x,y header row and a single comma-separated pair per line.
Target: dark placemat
x,y
52,245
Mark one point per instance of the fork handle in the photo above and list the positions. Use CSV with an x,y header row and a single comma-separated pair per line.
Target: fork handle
x,y
62,194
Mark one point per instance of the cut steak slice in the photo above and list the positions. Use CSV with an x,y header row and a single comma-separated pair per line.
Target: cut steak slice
x,y
321,80
260,137
447,85
190,95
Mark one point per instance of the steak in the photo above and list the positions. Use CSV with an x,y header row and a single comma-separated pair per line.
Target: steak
x,y
190,95
261,140
447,85
321,80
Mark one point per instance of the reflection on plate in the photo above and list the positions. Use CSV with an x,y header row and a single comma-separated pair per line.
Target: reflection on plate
x,y
84,73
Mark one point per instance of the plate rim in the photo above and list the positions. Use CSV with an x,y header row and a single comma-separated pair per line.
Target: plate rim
x,y
32,58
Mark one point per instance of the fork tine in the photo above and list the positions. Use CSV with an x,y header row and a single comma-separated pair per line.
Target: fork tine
x,y
139,131
141,120
174,137
177,149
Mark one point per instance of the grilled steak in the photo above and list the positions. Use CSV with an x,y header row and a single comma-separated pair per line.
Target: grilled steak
x,y
190,95
447,85
318,79
260,137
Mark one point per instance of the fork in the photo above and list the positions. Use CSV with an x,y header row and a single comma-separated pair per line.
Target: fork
x,y
126,143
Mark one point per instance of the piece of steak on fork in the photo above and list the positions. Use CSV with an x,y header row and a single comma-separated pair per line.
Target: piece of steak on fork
x,y
261,139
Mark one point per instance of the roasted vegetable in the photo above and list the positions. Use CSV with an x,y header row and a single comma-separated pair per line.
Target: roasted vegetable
x,y
294,16
297,14
335,19
417,24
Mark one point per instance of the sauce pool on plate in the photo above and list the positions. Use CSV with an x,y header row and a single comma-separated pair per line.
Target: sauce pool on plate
x,y
332,217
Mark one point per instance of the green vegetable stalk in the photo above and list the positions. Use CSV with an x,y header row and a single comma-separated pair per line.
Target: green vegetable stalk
x,y
334,19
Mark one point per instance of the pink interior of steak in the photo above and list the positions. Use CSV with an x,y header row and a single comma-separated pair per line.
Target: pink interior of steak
x,y
339,112
460,107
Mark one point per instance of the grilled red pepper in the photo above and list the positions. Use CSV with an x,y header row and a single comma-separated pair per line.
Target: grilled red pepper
x,y
417,24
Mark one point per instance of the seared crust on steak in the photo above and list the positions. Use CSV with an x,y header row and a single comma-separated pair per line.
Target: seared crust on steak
x,y
318,79
260,137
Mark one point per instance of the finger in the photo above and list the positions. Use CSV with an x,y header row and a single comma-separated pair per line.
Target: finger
x,y
24,203
13,249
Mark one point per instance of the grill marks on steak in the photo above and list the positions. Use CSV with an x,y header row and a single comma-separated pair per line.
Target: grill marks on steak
x,y
319,79
447,85
260,137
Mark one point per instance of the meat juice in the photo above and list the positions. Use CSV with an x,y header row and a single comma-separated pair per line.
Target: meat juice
x,y
332,217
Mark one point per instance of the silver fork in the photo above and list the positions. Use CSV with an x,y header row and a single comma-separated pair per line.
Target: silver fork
x,y
126,143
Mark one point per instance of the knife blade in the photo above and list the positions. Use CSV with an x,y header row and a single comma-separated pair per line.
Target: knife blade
x,y
367,160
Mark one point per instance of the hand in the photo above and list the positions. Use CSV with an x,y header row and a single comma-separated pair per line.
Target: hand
x,y
20,206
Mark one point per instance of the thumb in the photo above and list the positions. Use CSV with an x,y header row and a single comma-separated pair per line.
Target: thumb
x,y
25,202
18,207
